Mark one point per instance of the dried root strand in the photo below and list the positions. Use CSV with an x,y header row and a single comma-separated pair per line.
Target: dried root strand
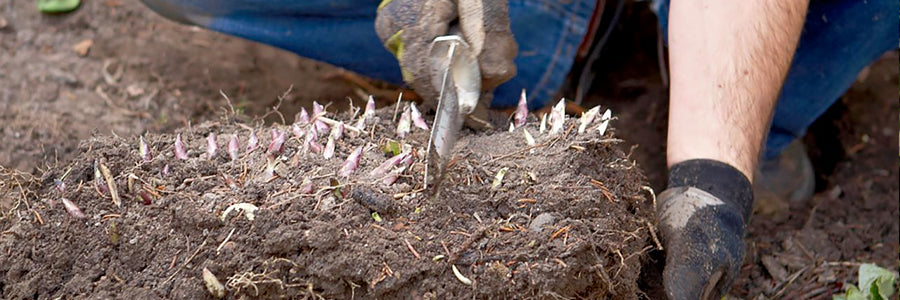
x,y
180,152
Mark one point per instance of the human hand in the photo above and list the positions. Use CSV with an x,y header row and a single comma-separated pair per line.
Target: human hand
x,y
702,217
407,28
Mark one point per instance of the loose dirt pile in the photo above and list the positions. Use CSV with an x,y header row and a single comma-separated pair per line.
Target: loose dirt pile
x,y
569,217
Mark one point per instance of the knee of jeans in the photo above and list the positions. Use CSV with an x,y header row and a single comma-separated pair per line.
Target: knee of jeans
x,y
175,10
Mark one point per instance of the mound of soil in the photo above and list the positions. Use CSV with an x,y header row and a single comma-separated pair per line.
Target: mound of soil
x,y
570,218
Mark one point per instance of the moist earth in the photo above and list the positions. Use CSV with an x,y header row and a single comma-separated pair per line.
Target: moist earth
x,y
570,217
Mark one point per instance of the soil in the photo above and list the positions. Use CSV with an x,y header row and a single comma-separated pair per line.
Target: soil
x,y
569,218
61,111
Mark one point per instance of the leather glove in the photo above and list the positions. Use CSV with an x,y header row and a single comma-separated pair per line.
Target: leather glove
x,y
703,215
407,28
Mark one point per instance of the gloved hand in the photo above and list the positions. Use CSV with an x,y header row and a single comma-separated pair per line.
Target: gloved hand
x,y
407,28
703,215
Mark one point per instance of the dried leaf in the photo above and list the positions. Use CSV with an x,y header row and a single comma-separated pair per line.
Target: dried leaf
x,y
249,210
215,288
498,179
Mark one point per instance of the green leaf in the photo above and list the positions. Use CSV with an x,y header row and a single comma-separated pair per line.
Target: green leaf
x,y
879,282
57,6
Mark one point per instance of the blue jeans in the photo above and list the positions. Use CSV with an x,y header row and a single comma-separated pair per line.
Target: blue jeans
x,y
839,39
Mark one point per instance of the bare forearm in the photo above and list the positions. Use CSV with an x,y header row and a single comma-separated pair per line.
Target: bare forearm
x,y
728,61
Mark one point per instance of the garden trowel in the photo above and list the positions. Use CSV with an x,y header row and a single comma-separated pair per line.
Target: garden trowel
x,y
458,79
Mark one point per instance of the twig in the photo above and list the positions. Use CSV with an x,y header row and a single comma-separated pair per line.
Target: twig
x,y
411,249
110,183
219,249
468,243
188,261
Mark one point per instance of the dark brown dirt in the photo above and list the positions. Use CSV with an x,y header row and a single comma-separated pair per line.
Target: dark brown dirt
x,y
545,231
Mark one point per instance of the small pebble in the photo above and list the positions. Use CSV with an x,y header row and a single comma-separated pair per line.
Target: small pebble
x,y
537,224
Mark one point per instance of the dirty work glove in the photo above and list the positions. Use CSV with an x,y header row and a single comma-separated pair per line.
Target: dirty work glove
x,y
702,217
407,28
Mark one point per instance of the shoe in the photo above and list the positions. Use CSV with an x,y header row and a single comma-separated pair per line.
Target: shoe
x,y
786,179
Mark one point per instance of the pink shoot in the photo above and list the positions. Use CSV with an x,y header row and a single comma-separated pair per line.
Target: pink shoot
x,y
60,185
588,117
302,117
271,162
252,142
351,163
558,116
311,141
298,131
145,196
370,108
233,147
211,146
521,114
329,148
417,118
144,150
307,187
404,124
337,132
277,143
165,171
543,126
393,176
73,209
180,153
604,121
319,111
384,167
